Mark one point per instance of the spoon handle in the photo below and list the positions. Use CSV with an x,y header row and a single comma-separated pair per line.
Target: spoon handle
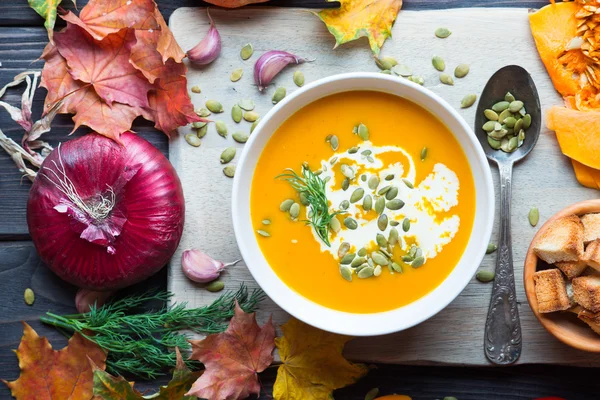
x,y
502,342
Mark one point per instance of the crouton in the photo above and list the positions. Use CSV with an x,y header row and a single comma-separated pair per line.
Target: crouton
x,y
592,255
586,291
593,320
561,241
591,227
551,291
572,269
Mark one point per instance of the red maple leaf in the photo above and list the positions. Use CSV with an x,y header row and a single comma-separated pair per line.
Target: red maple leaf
x,y
234,358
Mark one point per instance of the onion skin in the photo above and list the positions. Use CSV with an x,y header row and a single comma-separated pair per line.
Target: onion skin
x,y
151,202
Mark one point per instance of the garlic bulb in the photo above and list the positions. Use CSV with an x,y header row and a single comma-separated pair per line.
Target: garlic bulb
x,y
270,64
200,267
208,49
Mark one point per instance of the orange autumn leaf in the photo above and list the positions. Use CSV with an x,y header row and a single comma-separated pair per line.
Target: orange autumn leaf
x,y
233,358
48,374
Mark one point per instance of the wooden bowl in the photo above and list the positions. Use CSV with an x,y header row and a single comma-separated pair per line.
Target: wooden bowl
x,y
564,325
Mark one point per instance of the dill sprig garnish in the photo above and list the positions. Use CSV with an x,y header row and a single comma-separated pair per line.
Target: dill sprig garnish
x,y
313,188
142,344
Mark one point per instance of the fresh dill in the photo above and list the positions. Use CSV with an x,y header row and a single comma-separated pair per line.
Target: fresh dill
x,y
313,188
142,343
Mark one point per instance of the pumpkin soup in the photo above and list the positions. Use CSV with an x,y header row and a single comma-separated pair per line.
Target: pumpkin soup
x,y
362,202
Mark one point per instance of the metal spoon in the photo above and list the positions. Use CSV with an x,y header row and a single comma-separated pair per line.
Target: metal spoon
x,y
502,341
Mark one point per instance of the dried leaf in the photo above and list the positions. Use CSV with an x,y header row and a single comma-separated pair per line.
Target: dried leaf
x,y
47,10
312,363
233,358
51,374
358,18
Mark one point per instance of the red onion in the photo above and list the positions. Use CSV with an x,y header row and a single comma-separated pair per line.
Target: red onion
x,y
104,216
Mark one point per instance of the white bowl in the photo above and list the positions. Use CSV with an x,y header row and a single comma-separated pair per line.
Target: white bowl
x,y
382,322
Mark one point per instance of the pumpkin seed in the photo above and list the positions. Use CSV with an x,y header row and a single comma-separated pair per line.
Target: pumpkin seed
x,y
526,121
199,125
382,222
357,195
285,205
468,100
442,33
253,126
362,252
333,161
350,223
346,273
491,248
509,97
29,297
513,143
417,262
214,106
394,223
534,216
503,115
246,104
203,112
263,233
377,270
343,249
389,177
299,78
360,267
510,122
446,79
196,89
370,159
491,115
392,193
221,128
407,258
193,139
240,137
344,205
347,171
236,75
353,150
251,116
380,205
408,183
295,210
500,106
423,153
385,72
393,237
419,80
406,224
347,258
381,240
236,113
367,203
395,204
489,126
518,125
366,272
384,190
379,258
229,171
386,63
358,261
373,182
215,286
227,155
278,95
494,144
363,132
515,106
438,63
345,184
202,131
485,276
246,51
366,152
522,112
266,222
402,70
461,70
521,136
334,142
497,135
396,267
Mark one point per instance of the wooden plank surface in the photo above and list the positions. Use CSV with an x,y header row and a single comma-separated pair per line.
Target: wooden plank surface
x,y
454,335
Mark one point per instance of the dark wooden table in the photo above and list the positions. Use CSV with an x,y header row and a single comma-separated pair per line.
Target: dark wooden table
x,y
22,39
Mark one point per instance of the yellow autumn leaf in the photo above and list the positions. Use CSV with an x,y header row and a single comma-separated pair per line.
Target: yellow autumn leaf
x,y
312,363
359,18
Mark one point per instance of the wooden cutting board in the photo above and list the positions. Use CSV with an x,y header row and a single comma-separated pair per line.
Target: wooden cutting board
x,y
485,38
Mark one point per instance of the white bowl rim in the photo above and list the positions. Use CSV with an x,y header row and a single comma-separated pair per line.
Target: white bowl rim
x,y
379,323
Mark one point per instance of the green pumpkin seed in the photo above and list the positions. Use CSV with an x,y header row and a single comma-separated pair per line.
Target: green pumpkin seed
x,y
489,126
419,80
350,223
491,248
263,233
347,258
385,72
386,63
377,270
236,113
202,131
503,115
196,89
253,126
494,144
468,100
251,116
246,104
295,210
382,222
344,205
353,150
193,139
500,106
278,95
227,155
334,142
509,97
246,51
240,137
408,183
396,267
534,216
215,286
236,75
389,177
285,205
407,258
366,152
521,136
373,182
381,240
438,63
347,171
497,135
229,171
491,115
402,70
357,195
362,252
485,276
266,222
221,128
393,237
370,159
29,297
522,112
378,258
510,122
395,204
345,184
346,273
358,261
214,106
384,190
417,262
513,143
392,193
203,112
518,125
363,132
303,198
442,33
363,177
199,125
406,224
526,121
446,79
515,106
367,203
380,205
423,153
461,70
343,249
394,223
366,272
299,78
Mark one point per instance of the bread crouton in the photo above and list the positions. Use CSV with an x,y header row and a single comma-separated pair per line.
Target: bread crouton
x,y
586,291
572,269
591,227
592,255
561,241
593,320
551,291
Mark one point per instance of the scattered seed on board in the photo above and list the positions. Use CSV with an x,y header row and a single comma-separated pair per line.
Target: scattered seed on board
x,y
438,63
240,137
203,112
278,95
29,297
236,74
199,125
534,216
196,89
299,78
193,139
485,276
386,63
468,100
215,286
202,131
461,70
227,155
419,80
442,33
246,104
402,70
446,79
371,394
229,171
236,113
221,128
491,248
214,106
246,51
251,116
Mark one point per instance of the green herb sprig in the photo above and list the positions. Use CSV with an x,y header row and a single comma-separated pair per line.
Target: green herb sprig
x,y
313,188
142,344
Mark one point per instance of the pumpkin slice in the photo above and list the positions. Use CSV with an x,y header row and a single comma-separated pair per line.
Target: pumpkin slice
x,y
578,134
588,177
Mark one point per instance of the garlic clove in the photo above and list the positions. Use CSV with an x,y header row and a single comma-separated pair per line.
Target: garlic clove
x,y
200,267
208,49
270,64
86,298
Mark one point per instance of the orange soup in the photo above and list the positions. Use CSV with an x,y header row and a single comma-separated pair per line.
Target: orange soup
x,y
362,202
